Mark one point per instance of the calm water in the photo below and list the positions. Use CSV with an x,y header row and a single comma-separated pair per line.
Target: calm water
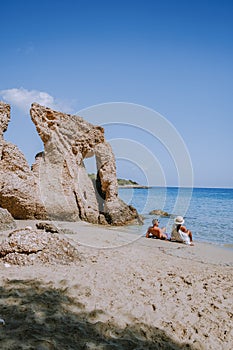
x,y
208,212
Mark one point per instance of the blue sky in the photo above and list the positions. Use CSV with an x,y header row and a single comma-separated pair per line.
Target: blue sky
x,y
174,57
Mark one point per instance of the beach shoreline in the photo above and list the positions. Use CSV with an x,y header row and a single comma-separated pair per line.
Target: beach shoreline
x,y
127,291
97,236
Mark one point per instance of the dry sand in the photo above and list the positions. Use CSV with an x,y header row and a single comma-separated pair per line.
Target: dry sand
x,y
127,292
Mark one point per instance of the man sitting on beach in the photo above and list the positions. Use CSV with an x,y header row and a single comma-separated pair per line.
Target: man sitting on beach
x,y
155,231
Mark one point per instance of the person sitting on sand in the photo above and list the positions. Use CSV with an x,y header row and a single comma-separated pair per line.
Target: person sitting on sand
x,y
180,233
156,231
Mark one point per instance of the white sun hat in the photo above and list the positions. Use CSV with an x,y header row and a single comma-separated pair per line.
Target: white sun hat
x,y
179,220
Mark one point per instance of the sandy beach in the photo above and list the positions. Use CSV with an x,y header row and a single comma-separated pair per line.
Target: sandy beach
x,y
126,292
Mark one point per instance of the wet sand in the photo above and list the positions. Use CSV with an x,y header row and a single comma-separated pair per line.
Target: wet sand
x,y
127,292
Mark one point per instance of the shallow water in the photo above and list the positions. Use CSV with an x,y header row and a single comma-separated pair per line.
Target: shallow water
x,y
208,212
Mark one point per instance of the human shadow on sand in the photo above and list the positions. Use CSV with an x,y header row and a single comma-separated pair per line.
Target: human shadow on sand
x,y
41,317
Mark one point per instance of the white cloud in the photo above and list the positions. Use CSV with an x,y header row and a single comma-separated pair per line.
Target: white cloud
x,y
23,98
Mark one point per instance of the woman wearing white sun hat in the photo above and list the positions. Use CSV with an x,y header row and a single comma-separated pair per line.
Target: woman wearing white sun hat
x,y
180,233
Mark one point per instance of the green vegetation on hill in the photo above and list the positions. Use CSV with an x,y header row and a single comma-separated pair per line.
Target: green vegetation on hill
x,y
121,182
92,176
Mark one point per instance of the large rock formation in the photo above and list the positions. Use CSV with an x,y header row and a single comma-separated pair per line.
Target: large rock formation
x,y
58,186
19,192
6,220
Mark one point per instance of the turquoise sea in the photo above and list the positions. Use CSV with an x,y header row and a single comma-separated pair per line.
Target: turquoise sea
x,y
208,212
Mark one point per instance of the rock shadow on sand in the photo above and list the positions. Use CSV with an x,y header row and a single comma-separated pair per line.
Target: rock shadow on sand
x,y
41,317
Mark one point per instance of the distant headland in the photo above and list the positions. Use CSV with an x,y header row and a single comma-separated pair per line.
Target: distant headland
x,y
123,182
129,184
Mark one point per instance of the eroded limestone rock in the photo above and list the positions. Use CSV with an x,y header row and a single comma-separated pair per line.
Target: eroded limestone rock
x,y
6,220
4,117
159,212
48,227
19,190
65,187
27,247
57,187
